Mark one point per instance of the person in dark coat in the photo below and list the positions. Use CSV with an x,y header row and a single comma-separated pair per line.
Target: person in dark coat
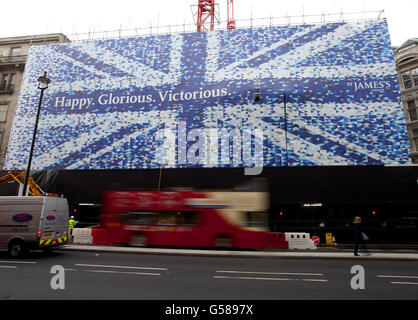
x,y
358,235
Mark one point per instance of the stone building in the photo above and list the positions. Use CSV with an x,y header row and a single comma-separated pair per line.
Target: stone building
x,y
13,52
406,57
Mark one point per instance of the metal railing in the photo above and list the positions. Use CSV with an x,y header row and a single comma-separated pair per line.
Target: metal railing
x,y
13,59
240,23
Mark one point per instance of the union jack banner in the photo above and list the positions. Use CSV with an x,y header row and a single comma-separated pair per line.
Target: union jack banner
x,y
309,95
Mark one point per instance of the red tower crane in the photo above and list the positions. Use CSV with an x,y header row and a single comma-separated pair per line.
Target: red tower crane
x,y
205,15
230,23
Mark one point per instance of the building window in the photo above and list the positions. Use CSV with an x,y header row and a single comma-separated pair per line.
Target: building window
x,y
414,74
412,110
406,79
1,140
415,138
3,81
15,54
410,78
3,112
16,51
12,78
7,82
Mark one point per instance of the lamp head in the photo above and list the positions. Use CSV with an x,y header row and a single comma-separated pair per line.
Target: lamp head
x,y
43,82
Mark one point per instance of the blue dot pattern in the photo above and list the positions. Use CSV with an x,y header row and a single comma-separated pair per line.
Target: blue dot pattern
x,y
329,95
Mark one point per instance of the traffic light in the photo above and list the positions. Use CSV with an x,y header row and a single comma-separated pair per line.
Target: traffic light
x,y
373,213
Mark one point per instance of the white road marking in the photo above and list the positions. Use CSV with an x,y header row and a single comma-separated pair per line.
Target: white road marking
x,y
121,267
120,272
8,267
411,283
269,279
272,273
22,262
315,280
253,278
393,276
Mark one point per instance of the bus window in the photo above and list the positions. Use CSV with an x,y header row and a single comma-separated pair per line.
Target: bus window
x,y
166,218
257,219
187,218
140,217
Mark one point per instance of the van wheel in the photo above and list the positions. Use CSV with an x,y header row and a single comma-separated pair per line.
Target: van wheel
x,y
17,249
223,241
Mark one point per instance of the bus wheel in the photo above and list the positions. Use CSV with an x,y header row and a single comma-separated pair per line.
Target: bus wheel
x,y
17,248
138,240
223,241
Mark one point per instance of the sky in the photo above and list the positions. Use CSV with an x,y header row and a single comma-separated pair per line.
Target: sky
x,y
29,17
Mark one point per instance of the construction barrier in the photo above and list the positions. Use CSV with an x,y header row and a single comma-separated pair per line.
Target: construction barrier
x,y
299,240
100,236
273,240
276,240
82,236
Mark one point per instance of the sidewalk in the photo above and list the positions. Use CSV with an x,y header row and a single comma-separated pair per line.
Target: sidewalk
x,y
320,253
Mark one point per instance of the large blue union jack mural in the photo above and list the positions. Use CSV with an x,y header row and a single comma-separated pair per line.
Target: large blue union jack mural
x,y
328,95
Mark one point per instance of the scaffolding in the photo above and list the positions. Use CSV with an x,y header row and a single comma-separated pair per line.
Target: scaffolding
x,y
19,177
239,24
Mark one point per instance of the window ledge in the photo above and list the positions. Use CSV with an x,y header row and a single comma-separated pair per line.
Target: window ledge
x,y
412,122
412,89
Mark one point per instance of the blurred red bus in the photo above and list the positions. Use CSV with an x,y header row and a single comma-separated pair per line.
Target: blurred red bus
x,y
178,218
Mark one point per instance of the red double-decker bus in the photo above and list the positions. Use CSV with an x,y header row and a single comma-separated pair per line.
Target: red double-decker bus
x,y
184,218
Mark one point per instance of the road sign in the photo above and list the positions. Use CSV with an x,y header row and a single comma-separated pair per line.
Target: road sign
x,y
316,240
328,238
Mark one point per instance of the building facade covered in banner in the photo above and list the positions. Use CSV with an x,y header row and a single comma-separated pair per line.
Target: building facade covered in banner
x,y
316,106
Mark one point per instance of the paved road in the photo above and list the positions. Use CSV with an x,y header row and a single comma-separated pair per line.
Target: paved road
x,y
93,275
334,253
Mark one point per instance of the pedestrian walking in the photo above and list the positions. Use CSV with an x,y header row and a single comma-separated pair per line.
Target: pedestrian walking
x,y
359,236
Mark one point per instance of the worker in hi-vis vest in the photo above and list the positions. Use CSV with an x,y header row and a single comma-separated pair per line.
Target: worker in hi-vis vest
x,y
71,224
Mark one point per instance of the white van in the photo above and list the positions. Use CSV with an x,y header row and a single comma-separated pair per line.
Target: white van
x,y
32,223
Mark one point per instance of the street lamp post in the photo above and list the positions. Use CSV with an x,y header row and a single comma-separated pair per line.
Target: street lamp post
x,y
43,83
285,128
